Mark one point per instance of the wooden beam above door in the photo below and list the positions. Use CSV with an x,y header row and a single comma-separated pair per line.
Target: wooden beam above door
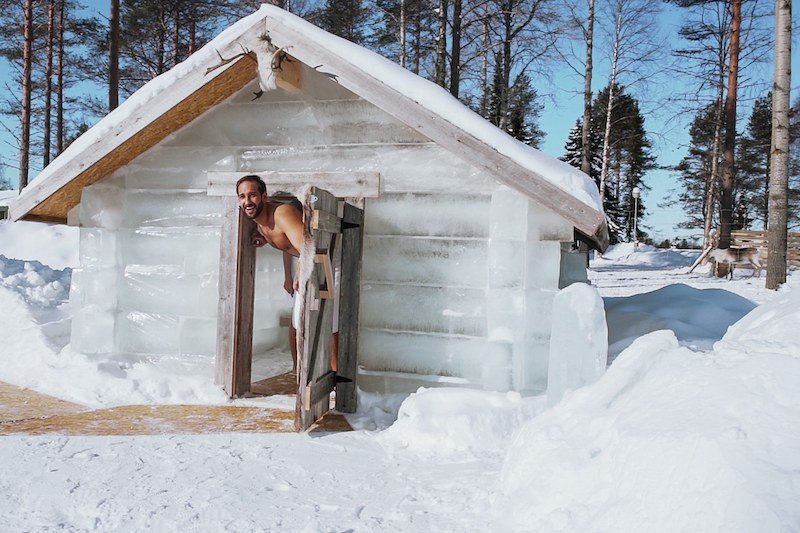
x,y
342,184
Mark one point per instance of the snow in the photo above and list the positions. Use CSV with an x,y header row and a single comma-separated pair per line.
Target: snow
x,y
679,434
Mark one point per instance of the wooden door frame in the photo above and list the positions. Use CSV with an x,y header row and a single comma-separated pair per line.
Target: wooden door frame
x,y
234,351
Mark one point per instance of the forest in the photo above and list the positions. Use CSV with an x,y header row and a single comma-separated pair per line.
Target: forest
x,y
66,65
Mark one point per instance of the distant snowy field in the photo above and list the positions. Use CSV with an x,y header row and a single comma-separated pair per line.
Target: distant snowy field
x,y
695,426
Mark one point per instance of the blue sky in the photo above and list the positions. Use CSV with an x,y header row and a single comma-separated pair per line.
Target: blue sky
x,y
564,104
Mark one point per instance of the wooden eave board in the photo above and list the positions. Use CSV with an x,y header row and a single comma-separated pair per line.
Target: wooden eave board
x,y
469,148
56,191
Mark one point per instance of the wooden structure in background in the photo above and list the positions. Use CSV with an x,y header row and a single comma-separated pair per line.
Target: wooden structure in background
x,y
758,239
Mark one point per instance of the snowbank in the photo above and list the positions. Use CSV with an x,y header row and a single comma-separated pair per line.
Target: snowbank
x,y
458,423
699,317
644,256
670,440
54,245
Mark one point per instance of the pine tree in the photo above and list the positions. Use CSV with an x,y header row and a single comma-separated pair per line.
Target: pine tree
x,y
523,112
629,159
752,186
695,168
573,150
345,18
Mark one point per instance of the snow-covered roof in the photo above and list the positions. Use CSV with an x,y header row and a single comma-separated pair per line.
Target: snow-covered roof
x,y
177,97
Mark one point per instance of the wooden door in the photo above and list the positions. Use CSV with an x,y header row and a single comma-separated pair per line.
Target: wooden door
x,y
316,378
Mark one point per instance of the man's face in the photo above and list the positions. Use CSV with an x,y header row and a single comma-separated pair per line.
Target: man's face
x,y
251,201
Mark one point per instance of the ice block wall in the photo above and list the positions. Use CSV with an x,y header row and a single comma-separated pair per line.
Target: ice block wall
x,y
458,272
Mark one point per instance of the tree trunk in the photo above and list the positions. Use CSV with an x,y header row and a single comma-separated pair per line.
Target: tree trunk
x,y
441,44
60,134
455,50
505,92
714,174
610,105
402,30
176,36
779,154
161,61
417,37
48,82
586,149
192,27
25,117
729,146
113,55
485,67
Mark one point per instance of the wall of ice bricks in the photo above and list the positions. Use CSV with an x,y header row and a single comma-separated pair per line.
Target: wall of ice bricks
x,y
458,271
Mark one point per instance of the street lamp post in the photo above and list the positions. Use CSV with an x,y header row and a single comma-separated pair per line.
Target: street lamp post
x,y
636,193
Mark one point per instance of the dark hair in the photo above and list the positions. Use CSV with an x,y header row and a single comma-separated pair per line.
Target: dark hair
x,y
262,187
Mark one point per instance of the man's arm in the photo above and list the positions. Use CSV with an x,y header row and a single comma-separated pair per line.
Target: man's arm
x,y
288,279
290,221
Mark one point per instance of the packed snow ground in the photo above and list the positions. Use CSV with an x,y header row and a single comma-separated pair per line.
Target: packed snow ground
x,y
693,427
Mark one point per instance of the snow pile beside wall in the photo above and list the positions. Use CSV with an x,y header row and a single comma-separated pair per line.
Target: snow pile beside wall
x,y
725,422
458,422
52,244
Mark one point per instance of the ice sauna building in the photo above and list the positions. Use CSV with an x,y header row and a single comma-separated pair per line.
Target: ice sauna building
x,y
471,235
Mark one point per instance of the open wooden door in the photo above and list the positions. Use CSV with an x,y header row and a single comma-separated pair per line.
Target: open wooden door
x,y
316,377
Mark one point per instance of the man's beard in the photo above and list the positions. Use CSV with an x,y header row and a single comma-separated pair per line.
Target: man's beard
x,y
254,212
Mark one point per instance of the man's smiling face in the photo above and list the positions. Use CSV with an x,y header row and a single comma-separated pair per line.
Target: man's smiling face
x,y
251,201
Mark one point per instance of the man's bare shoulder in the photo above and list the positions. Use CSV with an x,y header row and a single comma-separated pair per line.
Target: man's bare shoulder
x,y
288,214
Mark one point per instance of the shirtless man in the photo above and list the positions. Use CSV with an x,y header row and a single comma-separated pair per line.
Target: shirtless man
x,y
279,225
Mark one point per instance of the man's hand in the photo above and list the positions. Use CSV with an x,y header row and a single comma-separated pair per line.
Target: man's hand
x,y
257,240
289,285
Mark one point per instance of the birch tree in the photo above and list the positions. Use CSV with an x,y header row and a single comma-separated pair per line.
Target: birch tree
x,y
634,44
779,157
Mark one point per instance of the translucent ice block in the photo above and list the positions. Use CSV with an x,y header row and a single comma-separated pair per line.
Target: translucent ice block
x,y
93,330
186,159
198,336
404,168
99,287
424,309
542,264
506,311
545,225
448,262
296,123
176,209
578,341
174,178
101,206
148,333
427,354
428,214
539,311
98,247
186,295
508,215
506,263
181,250
265,339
